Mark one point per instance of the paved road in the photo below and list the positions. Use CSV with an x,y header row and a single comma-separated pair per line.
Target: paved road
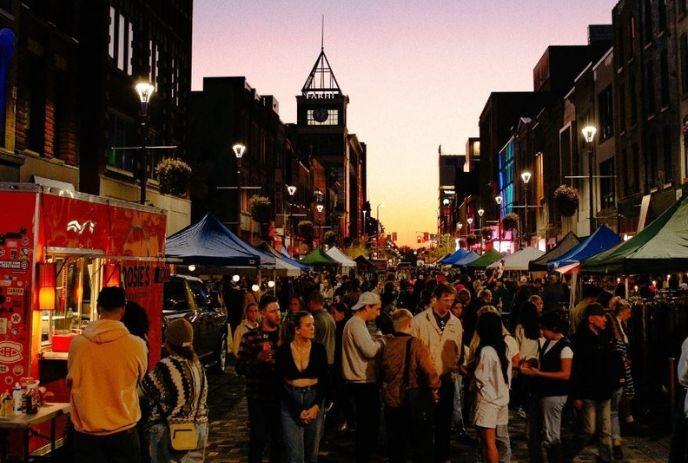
x,y
229,433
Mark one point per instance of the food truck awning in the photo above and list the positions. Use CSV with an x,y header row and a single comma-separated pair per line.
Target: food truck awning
x,y
209,242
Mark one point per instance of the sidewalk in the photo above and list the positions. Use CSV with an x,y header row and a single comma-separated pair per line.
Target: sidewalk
x,y
229,434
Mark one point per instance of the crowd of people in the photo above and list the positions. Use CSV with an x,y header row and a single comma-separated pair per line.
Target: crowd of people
x,y
435,354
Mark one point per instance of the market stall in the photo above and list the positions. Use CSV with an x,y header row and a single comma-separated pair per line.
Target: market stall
x,y
568,242
318,258
517,261
57,250
453,258
335,253
486,259
467,259
603,238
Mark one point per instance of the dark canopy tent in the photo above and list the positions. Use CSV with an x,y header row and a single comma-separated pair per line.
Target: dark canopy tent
x,y
455,257
363,263
267,249
318,257
603,238
568,242
486,259
661,247
209,242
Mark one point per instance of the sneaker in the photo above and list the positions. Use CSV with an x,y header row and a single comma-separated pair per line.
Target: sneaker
x,y
617,452
521,413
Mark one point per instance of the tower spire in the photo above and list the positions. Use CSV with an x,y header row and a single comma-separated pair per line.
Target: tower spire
x,y
322,34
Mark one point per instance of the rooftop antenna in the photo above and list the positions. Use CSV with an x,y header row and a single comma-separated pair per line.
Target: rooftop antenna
x,y
322,34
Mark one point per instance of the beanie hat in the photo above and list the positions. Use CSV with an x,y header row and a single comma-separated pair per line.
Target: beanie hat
x,y
179,333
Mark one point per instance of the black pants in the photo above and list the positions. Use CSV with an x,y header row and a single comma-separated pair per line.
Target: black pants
x,y
443,414
264,424
406,436
122,447
366,398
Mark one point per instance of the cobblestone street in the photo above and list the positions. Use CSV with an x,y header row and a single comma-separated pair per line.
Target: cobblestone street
x,y
229,433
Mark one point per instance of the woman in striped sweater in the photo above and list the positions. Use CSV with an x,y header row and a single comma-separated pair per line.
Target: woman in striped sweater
x,y
176,391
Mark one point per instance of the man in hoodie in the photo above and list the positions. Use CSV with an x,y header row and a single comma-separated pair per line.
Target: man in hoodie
x,y
105,364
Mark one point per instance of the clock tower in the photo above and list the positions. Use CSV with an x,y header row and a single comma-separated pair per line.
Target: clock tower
x,y
322,133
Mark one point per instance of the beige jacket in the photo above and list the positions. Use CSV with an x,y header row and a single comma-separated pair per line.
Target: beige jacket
x,y
444,346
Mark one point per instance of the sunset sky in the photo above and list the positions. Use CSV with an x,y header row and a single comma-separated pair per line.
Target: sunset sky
x,y
417,73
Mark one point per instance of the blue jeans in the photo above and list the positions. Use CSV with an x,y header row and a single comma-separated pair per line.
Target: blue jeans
x,y
616,425
301,441
160,450
457,412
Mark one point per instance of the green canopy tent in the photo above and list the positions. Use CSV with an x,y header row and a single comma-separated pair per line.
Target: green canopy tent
x,y
486,259
661,247
318,257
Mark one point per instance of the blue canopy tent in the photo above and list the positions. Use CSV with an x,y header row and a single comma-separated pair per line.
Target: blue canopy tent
x,y
467,259
455,257
209,242
603,238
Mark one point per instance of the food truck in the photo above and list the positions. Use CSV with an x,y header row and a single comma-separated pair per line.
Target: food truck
x,y
58,248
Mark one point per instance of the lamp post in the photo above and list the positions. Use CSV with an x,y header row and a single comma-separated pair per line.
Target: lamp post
x,y
498,200
459,226
365,228
291,189
239,150
525,176
589,132
145,91
470,222
319,207
480,227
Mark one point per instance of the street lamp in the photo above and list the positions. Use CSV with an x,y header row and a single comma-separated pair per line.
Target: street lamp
x,y
365,227
145,91
320,208
589,132
480,227
379,229
470,222
239,150
498,200
525,176
291,189
445,203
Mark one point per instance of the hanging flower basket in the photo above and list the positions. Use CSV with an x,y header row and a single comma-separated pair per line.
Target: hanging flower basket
x,y
261,209
173,176
566,198
306,230
471,240
510,221
486,232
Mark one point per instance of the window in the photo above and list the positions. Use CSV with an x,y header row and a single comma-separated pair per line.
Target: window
x,y
662,13
634,100
681,6
622,106
540,178
684,63
634,164
200,294
668,161
650,161
607,192
111,43
36,97
120,42
174,295
647,6
332,117
650,89
633,33
153,68
130,48
606,113
664,63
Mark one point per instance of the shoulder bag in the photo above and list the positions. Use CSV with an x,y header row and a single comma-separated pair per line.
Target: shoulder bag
x,y
184,436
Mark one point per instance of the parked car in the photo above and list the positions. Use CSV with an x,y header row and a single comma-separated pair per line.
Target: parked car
x,y
187,296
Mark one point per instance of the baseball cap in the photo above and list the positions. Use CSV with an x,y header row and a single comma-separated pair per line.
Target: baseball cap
x,y
367,298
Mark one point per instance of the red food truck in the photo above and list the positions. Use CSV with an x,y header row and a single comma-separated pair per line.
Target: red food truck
x,y
58,248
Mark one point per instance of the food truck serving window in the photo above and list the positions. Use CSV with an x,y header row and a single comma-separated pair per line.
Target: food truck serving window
x,y
78,281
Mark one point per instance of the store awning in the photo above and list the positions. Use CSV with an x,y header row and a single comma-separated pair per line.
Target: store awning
x,y
209,242
661,247
335,253
486,259
517,261
568,242
318,257
603,238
